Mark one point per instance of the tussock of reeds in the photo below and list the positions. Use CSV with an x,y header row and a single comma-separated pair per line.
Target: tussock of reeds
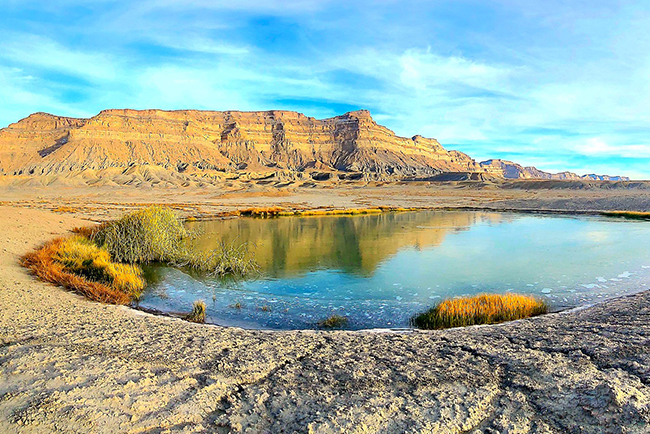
x,y
151,234
479,309
42,263
227,259
637,215
81,256
101,262
333,321
198,312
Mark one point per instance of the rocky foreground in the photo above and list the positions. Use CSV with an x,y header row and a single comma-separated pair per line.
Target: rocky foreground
x,y
71,365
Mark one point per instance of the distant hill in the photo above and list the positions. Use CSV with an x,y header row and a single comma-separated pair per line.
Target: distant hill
x,y
513,170
116,143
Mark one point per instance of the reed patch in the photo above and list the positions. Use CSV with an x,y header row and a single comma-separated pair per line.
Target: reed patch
x,y
44,264
197,314
479,309
333,322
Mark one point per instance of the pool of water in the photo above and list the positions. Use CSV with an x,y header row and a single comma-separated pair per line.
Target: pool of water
x,y
378,270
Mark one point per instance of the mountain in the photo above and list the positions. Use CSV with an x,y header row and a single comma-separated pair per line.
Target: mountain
x,y
232,143
513,170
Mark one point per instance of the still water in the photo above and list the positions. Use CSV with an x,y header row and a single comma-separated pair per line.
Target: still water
x,y
378,270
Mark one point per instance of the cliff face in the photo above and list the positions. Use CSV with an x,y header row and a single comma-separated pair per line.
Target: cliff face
x,y
224,141
352,146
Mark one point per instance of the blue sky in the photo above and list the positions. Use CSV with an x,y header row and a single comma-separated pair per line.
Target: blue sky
x,y
557,84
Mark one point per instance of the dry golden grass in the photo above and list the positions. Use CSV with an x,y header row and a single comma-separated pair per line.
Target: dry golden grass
x,y
479,309
638,215
81,256
66,209
247,194
42,264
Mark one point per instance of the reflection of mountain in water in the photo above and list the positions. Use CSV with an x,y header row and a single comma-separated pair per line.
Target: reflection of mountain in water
x,y
288,246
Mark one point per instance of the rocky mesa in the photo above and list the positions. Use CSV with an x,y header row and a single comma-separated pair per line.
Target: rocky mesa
x,y
234,143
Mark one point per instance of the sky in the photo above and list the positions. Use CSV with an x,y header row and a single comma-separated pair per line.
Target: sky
x,y
562,85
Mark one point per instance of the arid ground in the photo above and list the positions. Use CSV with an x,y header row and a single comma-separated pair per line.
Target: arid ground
x,y
71,365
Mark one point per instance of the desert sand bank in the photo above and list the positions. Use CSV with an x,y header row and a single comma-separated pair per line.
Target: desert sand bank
x,y
71,365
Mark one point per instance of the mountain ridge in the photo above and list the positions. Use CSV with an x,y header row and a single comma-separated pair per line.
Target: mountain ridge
x,y
221,143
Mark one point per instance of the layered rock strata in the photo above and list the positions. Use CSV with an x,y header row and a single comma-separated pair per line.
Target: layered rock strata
x,y
350,146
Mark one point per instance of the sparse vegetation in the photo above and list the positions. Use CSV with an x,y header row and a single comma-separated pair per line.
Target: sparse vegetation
x,y
227,259
101,262
198,312
281,212
65,209
479,309
333,321
273,211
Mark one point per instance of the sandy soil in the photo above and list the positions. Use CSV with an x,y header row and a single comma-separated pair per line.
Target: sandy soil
x,y
71,365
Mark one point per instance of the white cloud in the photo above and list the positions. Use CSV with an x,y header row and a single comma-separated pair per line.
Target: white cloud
x,y
42,52
596,146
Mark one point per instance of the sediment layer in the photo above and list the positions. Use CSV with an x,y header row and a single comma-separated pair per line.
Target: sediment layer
x,y
188,145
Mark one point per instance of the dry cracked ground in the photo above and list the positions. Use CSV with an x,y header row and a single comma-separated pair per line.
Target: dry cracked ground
x,y
71,365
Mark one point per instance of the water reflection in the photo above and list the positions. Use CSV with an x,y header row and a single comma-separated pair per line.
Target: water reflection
x,y
286,247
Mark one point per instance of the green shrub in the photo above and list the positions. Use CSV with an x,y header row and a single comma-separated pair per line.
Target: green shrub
x,y
158,234
151,234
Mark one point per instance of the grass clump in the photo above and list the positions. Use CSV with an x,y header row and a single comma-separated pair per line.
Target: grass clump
x,y
101,262
636,215
479,309
198,312
81,256
333,321
44,264
151,234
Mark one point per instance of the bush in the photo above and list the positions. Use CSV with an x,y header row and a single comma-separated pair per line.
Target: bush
x,y
479,309
151,234
157,234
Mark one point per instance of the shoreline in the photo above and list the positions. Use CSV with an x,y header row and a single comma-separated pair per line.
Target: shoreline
x,y
70,364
